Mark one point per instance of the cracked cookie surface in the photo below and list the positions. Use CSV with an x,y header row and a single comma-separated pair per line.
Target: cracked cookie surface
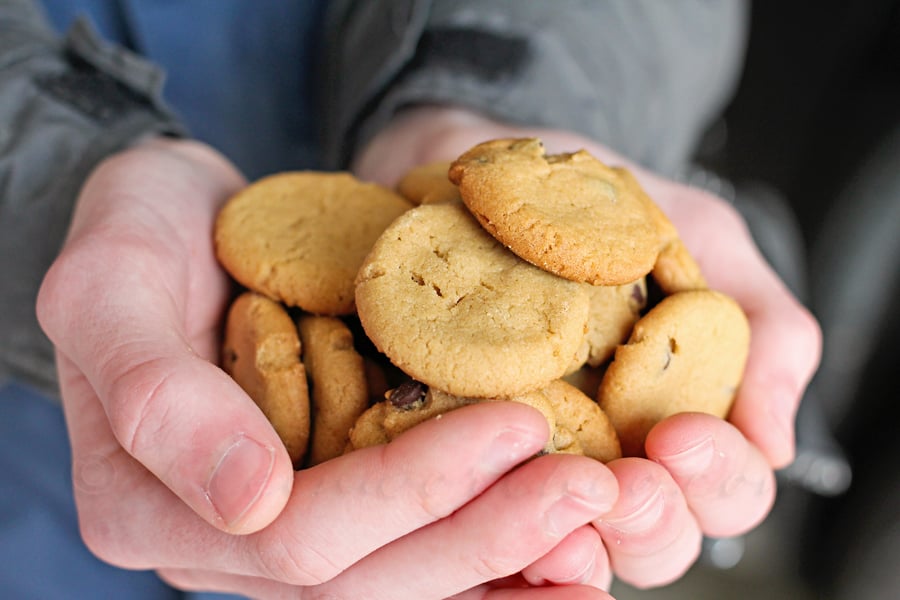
x,y
453,308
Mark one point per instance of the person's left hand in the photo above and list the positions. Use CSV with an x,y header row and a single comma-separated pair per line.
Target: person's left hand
x,y
702,475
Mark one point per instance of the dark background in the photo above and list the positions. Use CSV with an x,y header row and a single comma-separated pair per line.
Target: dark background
x,y
819,97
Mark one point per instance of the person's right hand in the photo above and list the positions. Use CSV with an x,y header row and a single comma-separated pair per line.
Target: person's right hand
x,y
175,469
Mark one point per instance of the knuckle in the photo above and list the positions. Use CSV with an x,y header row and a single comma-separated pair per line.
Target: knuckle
x,y
140,405
807,328
56,294
292,560
103,541
494,564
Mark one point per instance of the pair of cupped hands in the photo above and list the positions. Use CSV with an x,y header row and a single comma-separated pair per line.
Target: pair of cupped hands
x,y
176,470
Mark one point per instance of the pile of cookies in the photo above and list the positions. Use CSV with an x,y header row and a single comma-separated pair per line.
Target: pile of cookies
x,y
506,275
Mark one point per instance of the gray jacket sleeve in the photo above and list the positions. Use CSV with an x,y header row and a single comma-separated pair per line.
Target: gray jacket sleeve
x,y
643,77
64,106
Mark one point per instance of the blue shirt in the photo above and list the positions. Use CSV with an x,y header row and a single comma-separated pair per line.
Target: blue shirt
x,y
240,73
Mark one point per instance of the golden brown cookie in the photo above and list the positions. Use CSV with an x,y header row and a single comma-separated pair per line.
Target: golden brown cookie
x,y
261,352
300,237
686,354
428,184
453,308
404,407
675,269
613,313
337,381
581,426
569,214
576,423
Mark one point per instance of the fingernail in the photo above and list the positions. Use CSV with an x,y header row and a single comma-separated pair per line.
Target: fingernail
x,y
691,460
645,516
510,447
582,502
239,478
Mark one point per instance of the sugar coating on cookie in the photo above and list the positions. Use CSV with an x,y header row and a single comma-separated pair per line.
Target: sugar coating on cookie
x,y
300,237
337,381
261,352
568,213
452,307
687,354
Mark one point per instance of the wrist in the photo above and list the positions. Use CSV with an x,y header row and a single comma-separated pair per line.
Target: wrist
x,y
431,133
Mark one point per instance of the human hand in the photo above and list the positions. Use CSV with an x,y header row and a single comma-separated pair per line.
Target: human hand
x,y
175,469
702,475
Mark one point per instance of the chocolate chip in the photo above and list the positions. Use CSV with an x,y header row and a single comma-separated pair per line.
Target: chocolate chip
x,y
408,395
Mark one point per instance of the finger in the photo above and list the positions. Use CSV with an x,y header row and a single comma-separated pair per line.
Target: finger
x,y
255,587
141,292
339,511
727,483
179,415
650,534
785,348
785,341
514,522
580,558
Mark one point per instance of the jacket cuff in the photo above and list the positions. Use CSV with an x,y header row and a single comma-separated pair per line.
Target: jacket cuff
x,y
644,78
68,105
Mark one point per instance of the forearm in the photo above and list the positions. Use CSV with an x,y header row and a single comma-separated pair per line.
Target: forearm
x,y
66,105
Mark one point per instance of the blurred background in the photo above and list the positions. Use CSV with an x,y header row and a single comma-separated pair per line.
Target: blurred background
x,y
809,152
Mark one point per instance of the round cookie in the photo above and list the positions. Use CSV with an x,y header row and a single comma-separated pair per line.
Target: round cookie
x,y
428,184
299,237
404,407
613,313
451,307
576,423
687,354
261,352
581,426
569,214
337,382
675,269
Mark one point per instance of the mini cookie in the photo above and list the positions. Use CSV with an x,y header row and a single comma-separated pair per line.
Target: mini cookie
x,y
405,407
453,308
686,354
569,214
428,184
581,426
613,313
337,382
675,269
576,423
261,352
300,237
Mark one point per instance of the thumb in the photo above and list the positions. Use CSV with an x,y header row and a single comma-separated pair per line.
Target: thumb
x,y
179,415
134,302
